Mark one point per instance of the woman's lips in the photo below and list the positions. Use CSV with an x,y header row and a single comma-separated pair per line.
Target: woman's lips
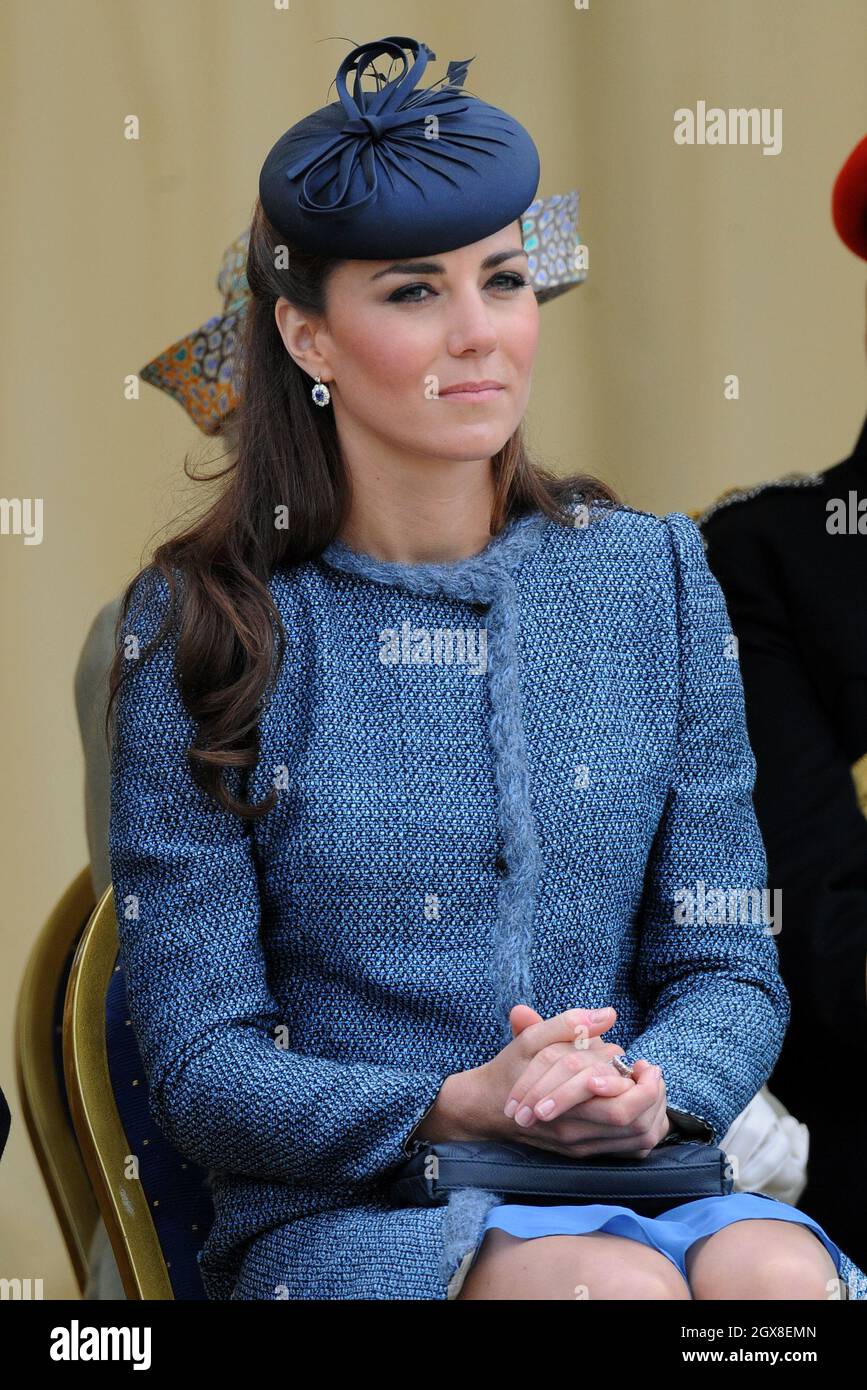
x,y
487,393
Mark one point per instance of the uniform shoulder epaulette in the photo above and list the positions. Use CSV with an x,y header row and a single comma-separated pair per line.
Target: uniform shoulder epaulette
x,y
739,494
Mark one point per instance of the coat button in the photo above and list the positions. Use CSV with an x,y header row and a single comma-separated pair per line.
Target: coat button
x,y
501,864
480,608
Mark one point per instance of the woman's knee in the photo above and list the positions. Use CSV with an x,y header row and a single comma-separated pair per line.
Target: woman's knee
x,y
618,1267
585,1267
761,1259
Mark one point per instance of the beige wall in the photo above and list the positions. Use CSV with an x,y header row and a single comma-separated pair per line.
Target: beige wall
x,y
703,261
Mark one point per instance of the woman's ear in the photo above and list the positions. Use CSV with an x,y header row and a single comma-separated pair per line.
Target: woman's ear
x,y
298,331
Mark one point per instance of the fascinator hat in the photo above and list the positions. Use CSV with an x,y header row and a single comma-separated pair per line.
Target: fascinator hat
x,y
400,170
479,174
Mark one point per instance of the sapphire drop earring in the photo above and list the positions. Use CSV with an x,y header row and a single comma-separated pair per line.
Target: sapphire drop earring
x,y
320,392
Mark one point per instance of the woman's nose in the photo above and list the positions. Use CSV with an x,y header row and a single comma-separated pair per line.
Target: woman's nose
x,y
471,324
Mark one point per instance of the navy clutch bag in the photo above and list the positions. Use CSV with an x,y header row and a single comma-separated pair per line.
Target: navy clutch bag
x,y
671,1173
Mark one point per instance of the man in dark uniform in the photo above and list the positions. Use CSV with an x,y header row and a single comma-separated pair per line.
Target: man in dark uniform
x,y
791,558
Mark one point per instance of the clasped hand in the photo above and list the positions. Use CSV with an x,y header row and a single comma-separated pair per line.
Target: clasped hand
x,y
565,1095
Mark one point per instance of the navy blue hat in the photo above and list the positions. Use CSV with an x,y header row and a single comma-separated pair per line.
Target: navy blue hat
x,y
397,172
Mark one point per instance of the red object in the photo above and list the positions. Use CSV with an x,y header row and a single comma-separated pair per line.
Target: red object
x,y
849,201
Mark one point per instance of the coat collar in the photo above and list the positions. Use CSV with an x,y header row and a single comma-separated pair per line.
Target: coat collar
x,y
476,578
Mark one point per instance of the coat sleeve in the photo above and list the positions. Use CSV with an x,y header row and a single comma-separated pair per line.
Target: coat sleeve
x,y
814,830
222,1086
715,1005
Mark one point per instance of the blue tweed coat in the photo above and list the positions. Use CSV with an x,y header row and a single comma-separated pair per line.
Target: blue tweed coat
x,y
495,776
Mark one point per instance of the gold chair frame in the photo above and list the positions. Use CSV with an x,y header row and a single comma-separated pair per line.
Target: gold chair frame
x,y
39,1091
98,1125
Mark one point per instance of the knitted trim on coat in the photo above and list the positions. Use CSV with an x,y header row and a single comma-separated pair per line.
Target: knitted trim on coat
x,y
488,579
472,579
465,1215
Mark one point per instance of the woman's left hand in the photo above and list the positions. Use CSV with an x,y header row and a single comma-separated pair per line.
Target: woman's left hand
x,y
636,1107
638,1112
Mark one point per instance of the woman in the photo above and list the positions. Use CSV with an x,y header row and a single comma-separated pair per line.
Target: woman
x,y
459,731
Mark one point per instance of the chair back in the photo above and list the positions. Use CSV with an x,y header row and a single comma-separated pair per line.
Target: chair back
x,y
155,1203
40,1075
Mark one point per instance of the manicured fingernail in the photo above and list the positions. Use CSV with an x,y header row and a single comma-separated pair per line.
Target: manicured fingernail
x,y
525,1115
596,1014
510,1109
545,1107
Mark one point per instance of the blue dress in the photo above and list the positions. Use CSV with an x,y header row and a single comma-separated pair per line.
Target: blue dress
x,y
671,1233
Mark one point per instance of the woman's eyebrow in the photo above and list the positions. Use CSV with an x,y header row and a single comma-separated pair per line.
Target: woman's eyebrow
x,y
432,268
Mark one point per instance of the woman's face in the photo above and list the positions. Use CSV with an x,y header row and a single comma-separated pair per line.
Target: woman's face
x,y
393,341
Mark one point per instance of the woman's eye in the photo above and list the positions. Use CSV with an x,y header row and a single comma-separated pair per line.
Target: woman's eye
x,y
508,280
403,294
514,281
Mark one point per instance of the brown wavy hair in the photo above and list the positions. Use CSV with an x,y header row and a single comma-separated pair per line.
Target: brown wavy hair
x,y
284,452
